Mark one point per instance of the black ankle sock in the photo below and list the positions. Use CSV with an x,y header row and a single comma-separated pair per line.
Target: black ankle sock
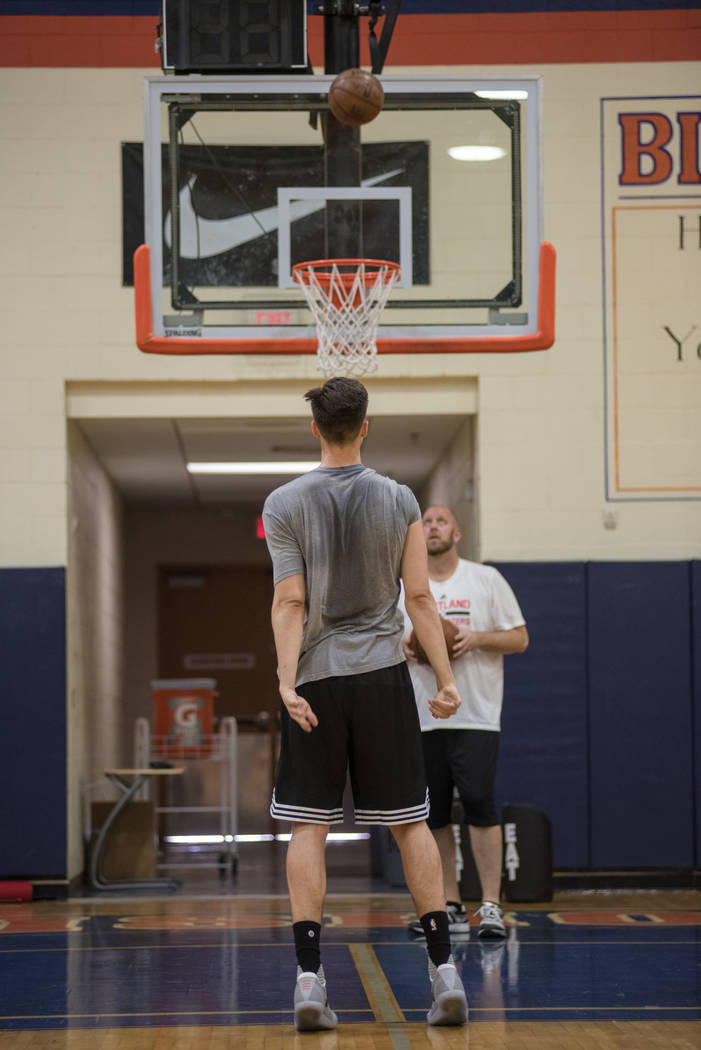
x,y
307,936
435,926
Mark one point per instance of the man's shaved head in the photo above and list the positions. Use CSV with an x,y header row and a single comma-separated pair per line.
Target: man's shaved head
x,y
437,509
441,529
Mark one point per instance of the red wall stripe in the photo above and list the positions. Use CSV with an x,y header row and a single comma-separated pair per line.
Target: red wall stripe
x,y
43,40
440,40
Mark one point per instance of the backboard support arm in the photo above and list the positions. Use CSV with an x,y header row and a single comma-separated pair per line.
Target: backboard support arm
x,y
378,50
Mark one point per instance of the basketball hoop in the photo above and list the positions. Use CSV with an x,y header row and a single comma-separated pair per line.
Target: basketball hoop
x,y
346,298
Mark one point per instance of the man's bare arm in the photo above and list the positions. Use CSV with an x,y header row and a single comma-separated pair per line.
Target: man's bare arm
x,y
287,618
421,608
514,640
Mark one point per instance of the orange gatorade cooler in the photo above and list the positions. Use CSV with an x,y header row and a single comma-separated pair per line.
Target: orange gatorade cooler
x,y
183,716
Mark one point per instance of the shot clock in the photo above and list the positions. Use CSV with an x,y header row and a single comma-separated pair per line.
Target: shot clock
x,y
234,36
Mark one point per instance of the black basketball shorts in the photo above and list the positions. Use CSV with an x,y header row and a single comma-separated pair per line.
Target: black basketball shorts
x,y
368,725
465,759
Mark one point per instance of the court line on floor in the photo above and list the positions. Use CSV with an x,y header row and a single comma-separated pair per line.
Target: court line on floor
x,y
165,1013
348,944
574,1009
380,995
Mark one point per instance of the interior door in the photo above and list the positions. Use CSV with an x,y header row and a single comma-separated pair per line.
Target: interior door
x,y
214,622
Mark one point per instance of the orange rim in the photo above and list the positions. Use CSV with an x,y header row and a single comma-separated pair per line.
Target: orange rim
x,y
320,266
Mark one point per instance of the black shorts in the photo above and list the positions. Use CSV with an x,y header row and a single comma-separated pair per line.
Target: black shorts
x,y
465,759
368,723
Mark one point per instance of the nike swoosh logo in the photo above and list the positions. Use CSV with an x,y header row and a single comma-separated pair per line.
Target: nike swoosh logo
x,y
201,238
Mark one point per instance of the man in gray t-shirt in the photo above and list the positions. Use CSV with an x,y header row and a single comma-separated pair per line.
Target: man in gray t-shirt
x,y
344,529
340,538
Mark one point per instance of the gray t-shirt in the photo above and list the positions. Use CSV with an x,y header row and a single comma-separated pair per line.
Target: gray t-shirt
x,y
344,529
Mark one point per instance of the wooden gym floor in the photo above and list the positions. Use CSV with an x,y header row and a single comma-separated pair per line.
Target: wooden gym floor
x,y
591,971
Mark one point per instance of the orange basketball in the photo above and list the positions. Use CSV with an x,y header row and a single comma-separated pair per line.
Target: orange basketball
x,y
449,633
355,97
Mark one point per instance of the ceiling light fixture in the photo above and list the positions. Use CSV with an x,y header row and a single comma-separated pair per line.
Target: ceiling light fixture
x,y
502,94
476,153
262,467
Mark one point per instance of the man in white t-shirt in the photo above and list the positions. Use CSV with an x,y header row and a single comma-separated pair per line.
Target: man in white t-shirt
x,y
461,751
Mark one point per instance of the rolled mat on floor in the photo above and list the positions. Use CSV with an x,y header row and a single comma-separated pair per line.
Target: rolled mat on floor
x,y
15,891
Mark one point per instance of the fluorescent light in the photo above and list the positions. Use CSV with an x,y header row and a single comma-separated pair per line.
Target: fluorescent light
x,y
262,467
502,94
212,840
196,840
478,153
215,840
335,836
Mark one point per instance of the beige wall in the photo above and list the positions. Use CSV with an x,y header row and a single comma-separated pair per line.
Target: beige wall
x,y
540,429
452,484
95,625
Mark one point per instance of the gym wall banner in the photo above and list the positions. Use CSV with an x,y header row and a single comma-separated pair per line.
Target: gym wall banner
x,y
651,244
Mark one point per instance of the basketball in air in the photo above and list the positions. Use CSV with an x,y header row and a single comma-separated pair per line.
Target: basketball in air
x,y
355,97
449,633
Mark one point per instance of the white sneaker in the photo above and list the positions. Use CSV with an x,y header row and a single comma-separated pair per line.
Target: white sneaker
x,y
458,922
491,920
449,1005
458,919
312,1010
491,955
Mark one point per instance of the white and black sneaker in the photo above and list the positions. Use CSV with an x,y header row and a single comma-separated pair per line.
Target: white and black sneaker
x,y
458,922
458,919
449,1006
312,1011
491,920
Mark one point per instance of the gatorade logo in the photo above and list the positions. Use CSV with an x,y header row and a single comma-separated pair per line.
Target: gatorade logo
x,y
185,714
186,725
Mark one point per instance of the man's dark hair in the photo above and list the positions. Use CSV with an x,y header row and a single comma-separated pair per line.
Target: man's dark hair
x,y
339,408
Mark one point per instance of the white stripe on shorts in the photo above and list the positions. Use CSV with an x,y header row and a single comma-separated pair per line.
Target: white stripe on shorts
x,y
305,814
393,816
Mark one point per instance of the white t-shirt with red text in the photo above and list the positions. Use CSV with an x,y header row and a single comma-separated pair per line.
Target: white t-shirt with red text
x,y
475,596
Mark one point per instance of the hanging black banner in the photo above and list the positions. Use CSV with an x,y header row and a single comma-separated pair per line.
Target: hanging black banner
x,y
226,193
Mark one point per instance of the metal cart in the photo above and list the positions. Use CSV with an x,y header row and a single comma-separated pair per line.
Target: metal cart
x,y
220,748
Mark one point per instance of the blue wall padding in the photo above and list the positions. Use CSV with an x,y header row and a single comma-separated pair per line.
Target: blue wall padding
x,y
543,751
33,689
640,715
696,686
601,724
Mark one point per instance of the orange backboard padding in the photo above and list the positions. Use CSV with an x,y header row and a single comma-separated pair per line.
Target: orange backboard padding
x,y
506,344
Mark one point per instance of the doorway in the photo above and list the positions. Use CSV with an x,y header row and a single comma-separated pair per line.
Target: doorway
x,y
214,622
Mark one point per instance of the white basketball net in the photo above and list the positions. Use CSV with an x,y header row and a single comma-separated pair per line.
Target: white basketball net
x,y
346,308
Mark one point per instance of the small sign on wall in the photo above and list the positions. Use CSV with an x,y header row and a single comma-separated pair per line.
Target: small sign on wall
x,y
651,240
219,661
